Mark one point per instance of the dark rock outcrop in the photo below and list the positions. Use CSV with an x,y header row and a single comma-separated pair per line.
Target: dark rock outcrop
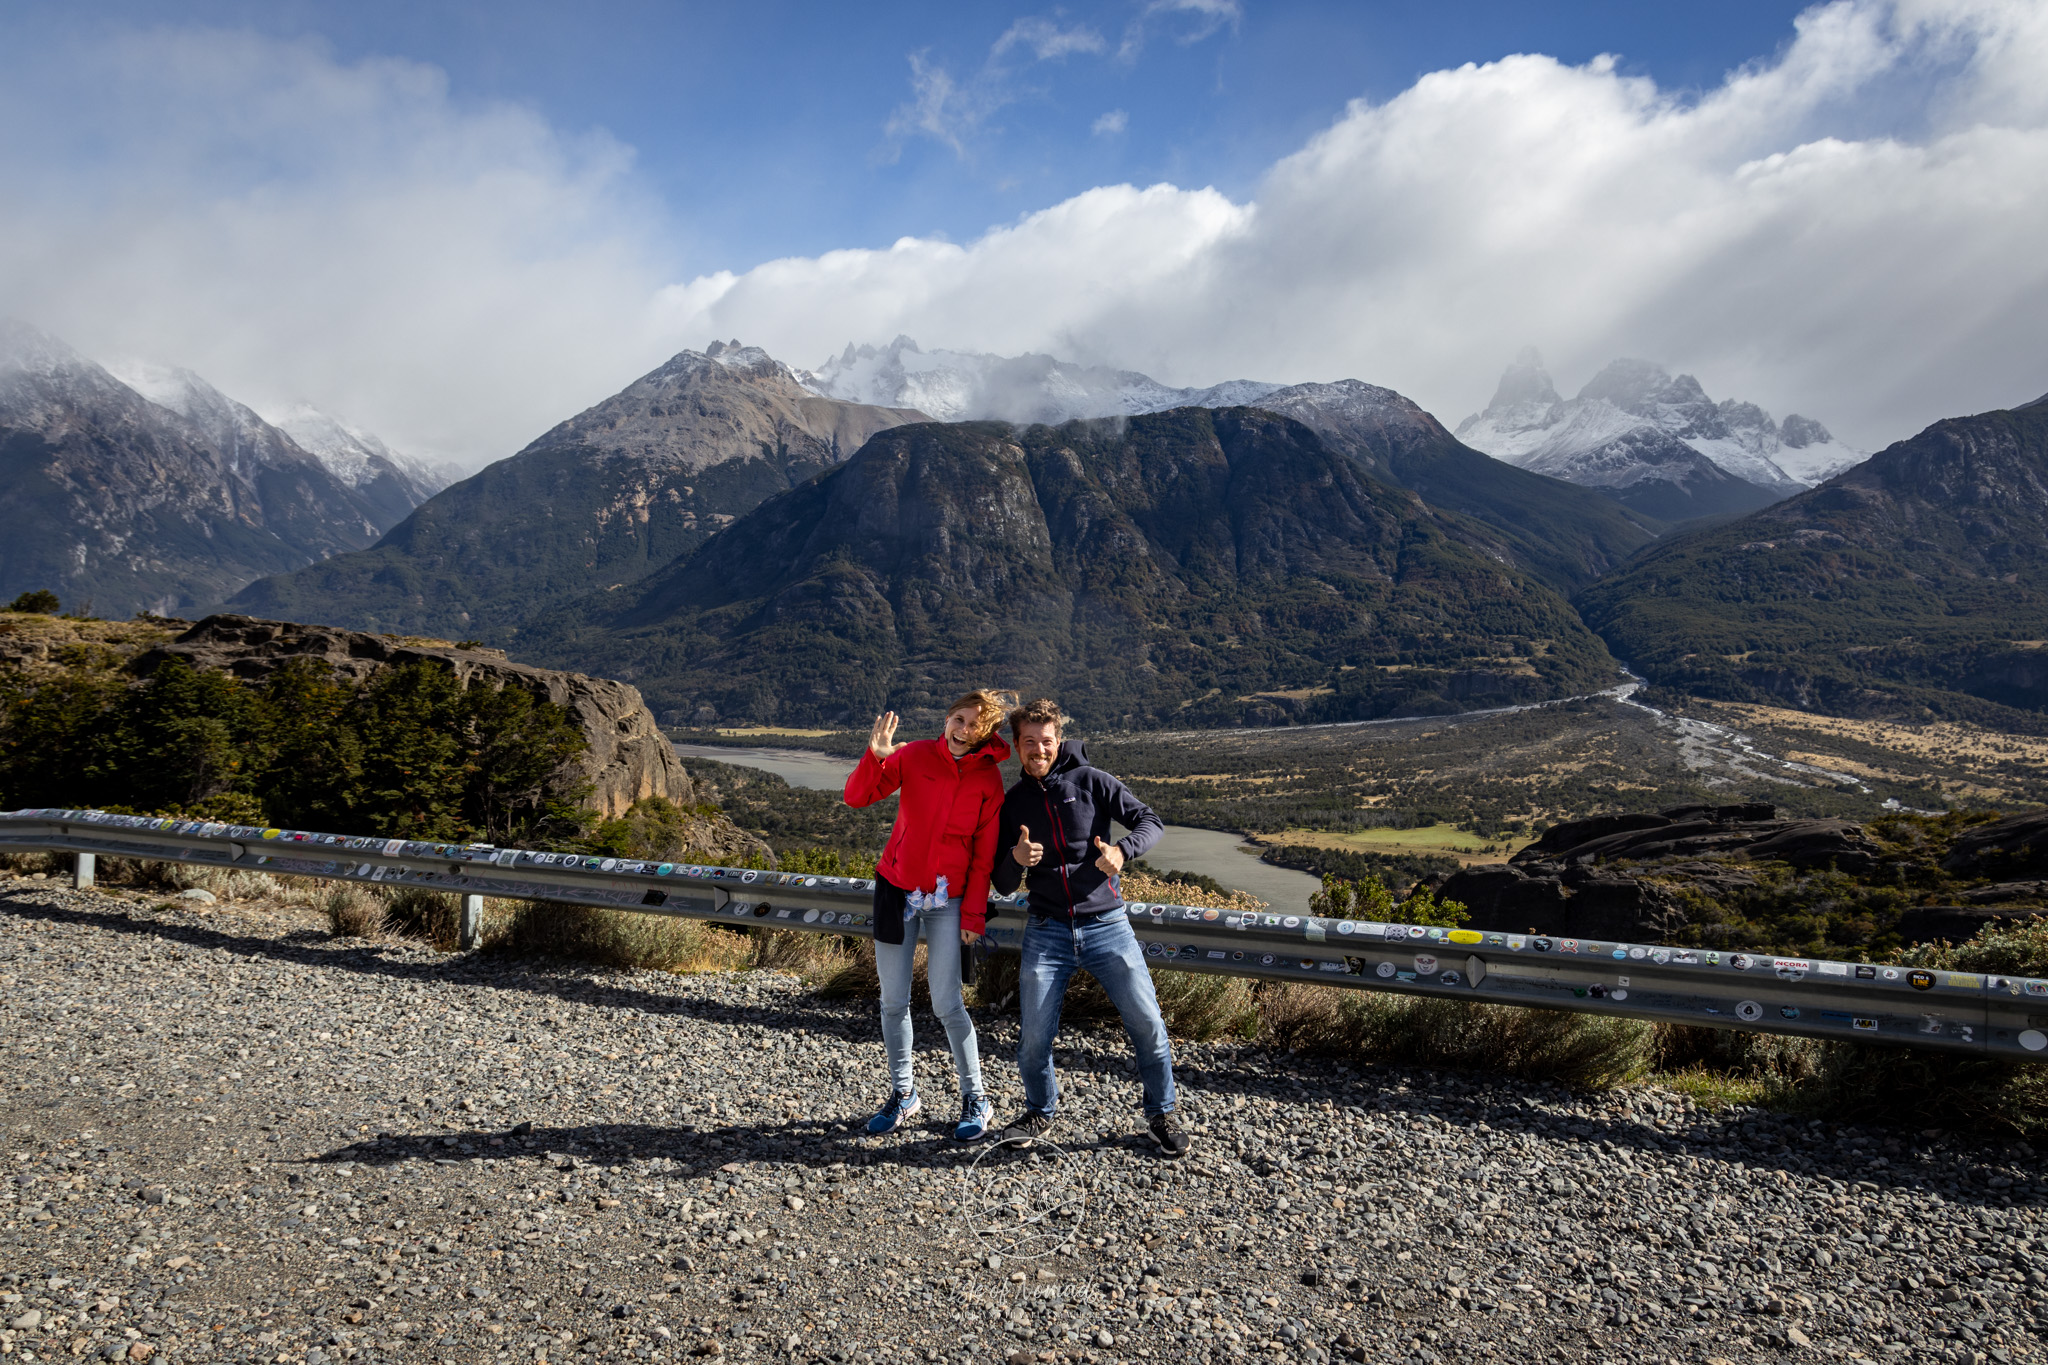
x,y
2014,847
1566,882
628,758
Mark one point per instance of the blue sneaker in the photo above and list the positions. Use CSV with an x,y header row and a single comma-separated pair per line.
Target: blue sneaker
x,y
891,1116
975,1112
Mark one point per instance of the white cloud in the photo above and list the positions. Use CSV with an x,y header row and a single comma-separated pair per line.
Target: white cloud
x,y
1190,21
1048,41
1111,123
456,278
951,110
1849,230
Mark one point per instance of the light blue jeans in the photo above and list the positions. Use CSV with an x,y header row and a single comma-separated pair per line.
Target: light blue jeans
x,y
894,963
1108,950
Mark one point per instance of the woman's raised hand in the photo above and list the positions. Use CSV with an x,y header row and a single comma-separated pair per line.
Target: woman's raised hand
x,y
882,739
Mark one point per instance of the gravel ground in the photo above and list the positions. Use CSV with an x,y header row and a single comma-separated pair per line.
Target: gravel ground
x,y
231,1137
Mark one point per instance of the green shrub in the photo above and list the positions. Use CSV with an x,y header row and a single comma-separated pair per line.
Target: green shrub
x,y
1368,898
37,602
408,753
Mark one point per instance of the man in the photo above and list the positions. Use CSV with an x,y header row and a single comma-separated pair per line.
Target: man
x,y
1054,829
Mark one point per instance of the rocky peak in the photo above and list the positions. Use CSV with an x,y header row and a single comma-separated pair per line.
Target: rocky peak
x,y
1525,381
359,457
1797,433
245,440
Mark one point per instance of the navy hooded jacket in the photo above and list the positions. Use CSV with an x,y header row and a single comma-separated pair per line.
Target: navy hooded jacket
x,y
1067,811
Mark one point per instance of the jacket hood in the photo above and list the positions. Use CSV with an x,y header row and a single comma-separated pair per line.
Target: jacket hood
x,y
1073,756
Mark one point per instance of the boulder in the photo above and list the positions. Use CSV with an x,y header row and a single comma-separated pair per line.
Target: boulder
x,y
1578,902
628,758
2014,847
1750,831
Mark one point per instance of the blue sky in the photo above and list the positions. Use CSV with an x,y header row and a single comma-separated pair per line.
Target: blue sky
x,y
457,225
764,128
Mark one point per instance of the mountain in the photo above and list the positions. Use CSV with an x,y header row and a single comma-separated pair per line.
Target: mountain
x,y
389,487
1195,566
359,459
956,386
1914,584
1564,534
601,500
1652,441
124,504
1554,529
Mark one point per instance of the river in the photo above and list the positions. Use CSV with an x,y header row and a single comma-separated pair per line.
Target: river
x,y
1212,853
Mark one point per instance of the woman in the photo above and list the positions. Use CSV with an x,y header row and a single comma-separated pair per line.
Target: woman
x,y
933,879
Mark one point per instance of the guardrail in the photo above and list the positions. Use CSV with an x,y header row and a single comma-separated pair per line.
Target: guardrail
x,y
1956,1011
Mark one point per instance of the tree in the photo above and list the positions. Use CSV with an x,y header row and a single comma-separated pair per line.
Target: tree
x,y
38,602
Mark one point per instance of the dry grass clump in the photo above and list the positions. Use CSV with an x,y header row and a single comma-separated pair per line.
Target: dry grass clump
x,y
1856,1082
813,957
1577,1049
353,910
26,864
613,938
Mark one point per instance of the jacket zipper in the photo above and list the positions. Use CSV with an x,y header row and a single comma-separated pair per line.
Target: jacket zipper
x,y
1046,795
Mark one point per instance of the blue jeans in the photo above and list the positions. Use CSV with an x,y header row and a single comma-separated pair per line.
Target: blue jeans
x,y
895,963
1108,949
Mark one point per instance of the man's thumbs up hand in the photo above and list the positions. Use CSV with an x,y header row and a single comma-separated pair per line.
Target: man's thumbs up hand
x,y
1109,857
1025,852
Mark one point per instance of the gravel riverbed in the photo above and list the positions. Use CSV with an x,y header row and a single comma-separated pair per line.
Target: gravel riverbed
x,y
230,1136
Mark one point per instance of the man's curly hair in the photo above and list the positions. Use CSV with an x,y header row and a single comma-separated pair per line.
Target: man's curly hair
x,y
1044,711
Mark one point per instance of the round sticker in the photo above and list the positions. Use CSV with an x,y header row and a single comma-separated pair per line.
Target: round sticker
x,y
1385,969
1345,926
1742,962
1154,950
1425,965
1266,960
2033,1040
664,869
1749,1011
1920,981
1617,994
810,917
1292,921
1211,914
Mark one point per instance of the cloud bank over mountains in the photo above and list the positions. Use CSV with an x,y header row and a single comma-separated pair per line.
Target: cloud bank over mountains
x,y
1850,225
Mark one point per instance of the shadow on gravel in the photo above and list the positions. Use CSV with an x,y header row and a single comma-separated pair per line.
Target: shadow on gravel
x,y
800,1144
824,1144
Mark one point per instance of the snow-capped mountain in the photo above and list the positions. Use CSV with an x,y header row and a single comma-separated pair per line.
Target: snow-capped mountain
x,y
162,494
357,456
956,386
390,484
1649,437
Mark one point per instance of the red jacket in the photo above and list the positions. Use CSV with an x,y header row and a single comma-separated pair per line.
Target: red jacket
x,y
946,824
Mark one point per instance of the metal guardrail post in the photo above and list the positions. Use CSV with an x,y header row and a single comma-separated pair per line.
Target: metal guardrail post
x,y
82,866
1972,1013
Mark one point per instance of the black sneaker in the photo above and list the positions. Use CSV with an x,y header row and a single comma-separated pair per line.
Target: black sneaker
x,y
1171,1137
1025,1129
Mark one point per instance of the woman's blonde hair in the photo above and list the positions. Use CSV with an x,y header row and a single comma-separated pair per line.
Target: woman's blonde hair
x,y
990,706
